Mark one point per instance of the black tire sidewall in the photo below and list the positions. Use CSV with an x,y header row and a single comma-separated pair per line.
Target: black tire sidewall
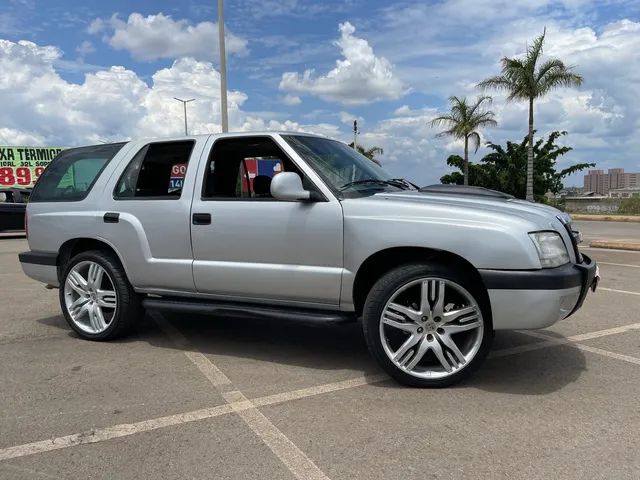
x,y
387,285
127,301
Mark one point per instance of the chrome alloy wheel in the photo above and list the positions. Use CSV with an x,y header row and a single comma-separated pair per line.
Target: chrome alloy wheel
x,y
431,328
90,297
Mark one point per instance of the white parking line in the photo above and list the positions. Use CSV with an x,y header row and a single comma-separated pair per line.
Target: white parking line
x,y
618,291
605,250
550,341
573,341
123,430
116,431
301,466
619,264
126,429
607,353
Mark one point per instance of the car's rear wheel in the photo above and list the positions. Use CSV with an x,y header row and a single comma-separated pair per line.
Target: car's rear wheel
x,y
97,300
427,325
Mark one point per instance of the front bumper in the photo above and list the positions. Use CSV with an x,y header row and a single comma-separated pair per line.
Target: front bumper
x,y
528,299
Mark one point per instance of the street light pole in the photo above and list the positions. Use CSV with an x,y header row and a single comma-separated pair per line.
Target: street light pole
x,y
184,104
223,68
355,134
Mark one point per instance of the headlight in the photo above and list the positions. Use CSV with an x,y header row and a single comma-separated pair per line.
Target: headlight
x,y
551,249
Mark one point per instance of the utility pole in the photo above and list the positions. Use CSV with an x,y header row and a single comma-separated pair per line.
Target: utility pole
x,y
184,104
355,134
223,69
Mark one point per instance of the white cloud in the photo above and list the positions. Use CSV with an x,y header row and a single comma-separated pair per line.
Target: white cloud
x,y
348,118
85,48
360,77
291,100
40,107
160,36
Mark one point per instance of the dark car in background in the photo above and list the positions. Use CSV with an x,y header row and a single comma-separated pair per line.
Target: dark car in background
x,y
13,205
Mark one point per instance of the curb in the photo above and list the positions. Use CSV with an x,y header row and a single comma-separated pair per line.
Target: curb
x,y
606,218
616,244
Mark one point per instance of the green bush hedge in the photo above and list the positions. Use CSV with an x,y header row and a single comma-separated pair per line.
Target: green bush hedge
x,y
630,206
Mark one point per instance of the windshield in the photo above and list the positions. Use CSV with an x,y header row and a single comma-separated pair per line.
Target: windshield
x,y
344,170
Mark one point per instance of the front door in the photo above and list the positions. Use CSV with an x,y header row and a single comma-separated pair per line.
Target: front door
x,y
249,246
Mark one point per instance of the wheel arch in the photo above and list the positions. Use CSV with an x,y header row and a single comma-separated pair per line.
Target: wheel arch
x,y
75,246
385,260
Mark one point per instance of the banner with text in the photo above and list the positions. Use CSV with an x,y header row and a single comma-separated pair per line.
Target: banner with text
x,y
21,166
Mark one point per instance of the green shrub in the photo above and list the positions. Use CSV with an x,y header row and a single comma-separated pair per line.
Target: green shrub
x,y
630,206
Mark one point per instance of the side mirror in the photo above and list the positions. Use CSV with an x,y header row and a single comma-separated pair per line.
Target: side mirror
x,y
288,186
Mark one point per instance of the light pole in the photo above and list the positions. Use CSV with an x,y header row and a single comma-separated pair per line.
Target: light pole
x,y
223,68
355,134
184,104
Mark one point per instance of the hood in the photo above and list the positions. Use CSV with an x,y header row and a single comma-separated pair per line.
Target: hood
x,y
466,206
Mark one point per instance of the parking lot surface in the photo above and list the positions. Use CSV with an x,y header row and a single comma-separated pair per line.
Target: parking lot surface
x,y
202,397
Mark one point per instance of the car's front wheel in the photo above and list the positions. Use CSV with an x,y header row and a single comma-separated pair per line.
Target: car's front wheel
x,y
96,297
427,325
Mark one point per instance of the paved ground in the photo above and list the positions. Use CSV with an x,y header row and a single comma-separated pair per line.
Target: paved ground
x,y
194,397
608,230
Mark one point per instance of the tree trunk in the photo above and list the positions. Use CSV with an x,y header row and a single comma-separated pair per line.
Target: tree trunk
x,y
530,154
466,160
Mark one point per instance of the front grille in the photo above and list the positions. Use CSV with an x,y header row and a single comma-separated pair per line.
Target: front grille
x,y
572,236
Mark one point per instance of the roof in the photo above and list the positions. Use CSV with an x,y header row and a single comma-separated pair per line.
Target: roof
x,y
205,136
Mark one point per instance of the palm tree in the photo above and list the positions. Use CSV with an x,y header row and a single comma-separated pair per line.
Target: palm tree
x,y
523,79
463,121
370,153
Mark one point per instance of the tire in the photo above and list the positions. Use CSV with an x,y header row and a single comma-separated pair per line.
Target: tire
x,y
81,299
400,332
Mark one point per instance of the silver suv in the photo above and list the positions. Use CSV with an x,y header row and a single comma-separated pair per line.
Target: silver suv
x,y
299,227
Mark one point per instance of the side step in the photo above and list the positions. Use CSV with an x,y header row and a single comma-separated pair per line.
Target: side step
x,y
302,315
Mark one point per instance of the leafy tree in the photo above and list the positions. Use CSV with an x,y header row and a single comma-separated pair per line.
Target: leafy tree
x,y
503,168
370,153
524,79
463,122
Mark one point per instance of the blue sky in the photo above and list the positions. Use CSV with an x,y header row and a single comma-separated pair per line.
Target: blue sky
x,y
109,70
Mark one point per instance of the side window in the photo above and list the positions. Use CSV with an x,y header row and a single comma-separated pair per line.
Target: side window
x,y
242,168
156,171
72,173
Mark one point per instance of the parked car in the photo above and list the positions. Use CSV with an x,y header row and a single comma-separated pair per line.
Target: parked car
x,y
321,234
13,205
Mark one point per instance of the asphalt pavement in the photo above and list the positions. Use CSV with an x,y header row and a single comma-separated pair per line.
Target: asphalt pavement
x,y
200,397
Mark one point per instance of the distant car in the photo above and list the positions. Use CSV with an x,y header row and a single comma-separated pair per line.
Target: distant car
x,y
315,232
13,206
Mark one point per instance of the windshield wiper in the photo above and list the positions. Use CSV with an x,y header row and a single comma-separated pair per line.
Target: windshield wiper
x,y
404,181
375,181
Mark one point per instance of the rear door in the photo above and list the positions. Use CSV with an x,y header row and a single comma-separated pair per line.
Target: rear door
x,y
248,245
147,215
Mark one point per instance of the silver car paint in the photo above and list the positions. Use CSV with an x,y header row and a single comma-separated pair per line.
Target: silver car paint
x,y
295,252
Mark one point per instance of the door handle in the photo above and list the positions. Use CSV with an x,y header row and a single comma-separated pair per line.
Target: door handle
x,y
201,219
111,217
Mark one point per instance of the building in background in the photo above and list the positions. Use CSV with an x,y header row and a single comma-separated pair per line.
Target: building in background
x,y
597,181
628,192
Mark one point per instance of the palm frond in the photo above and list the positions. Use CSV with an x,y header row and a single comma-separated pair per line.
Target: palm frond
x,y
479,101
452,132
486,119
442,120
559,78
535,51
475,138
552,64
499,82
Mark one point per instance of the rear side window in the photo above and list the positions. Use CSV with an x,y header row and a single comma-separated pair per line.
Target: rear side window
x,y
156,171
71,175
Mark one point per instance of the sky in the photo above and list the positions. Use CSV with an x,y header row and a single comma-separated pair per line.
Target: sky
x,y
75,73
